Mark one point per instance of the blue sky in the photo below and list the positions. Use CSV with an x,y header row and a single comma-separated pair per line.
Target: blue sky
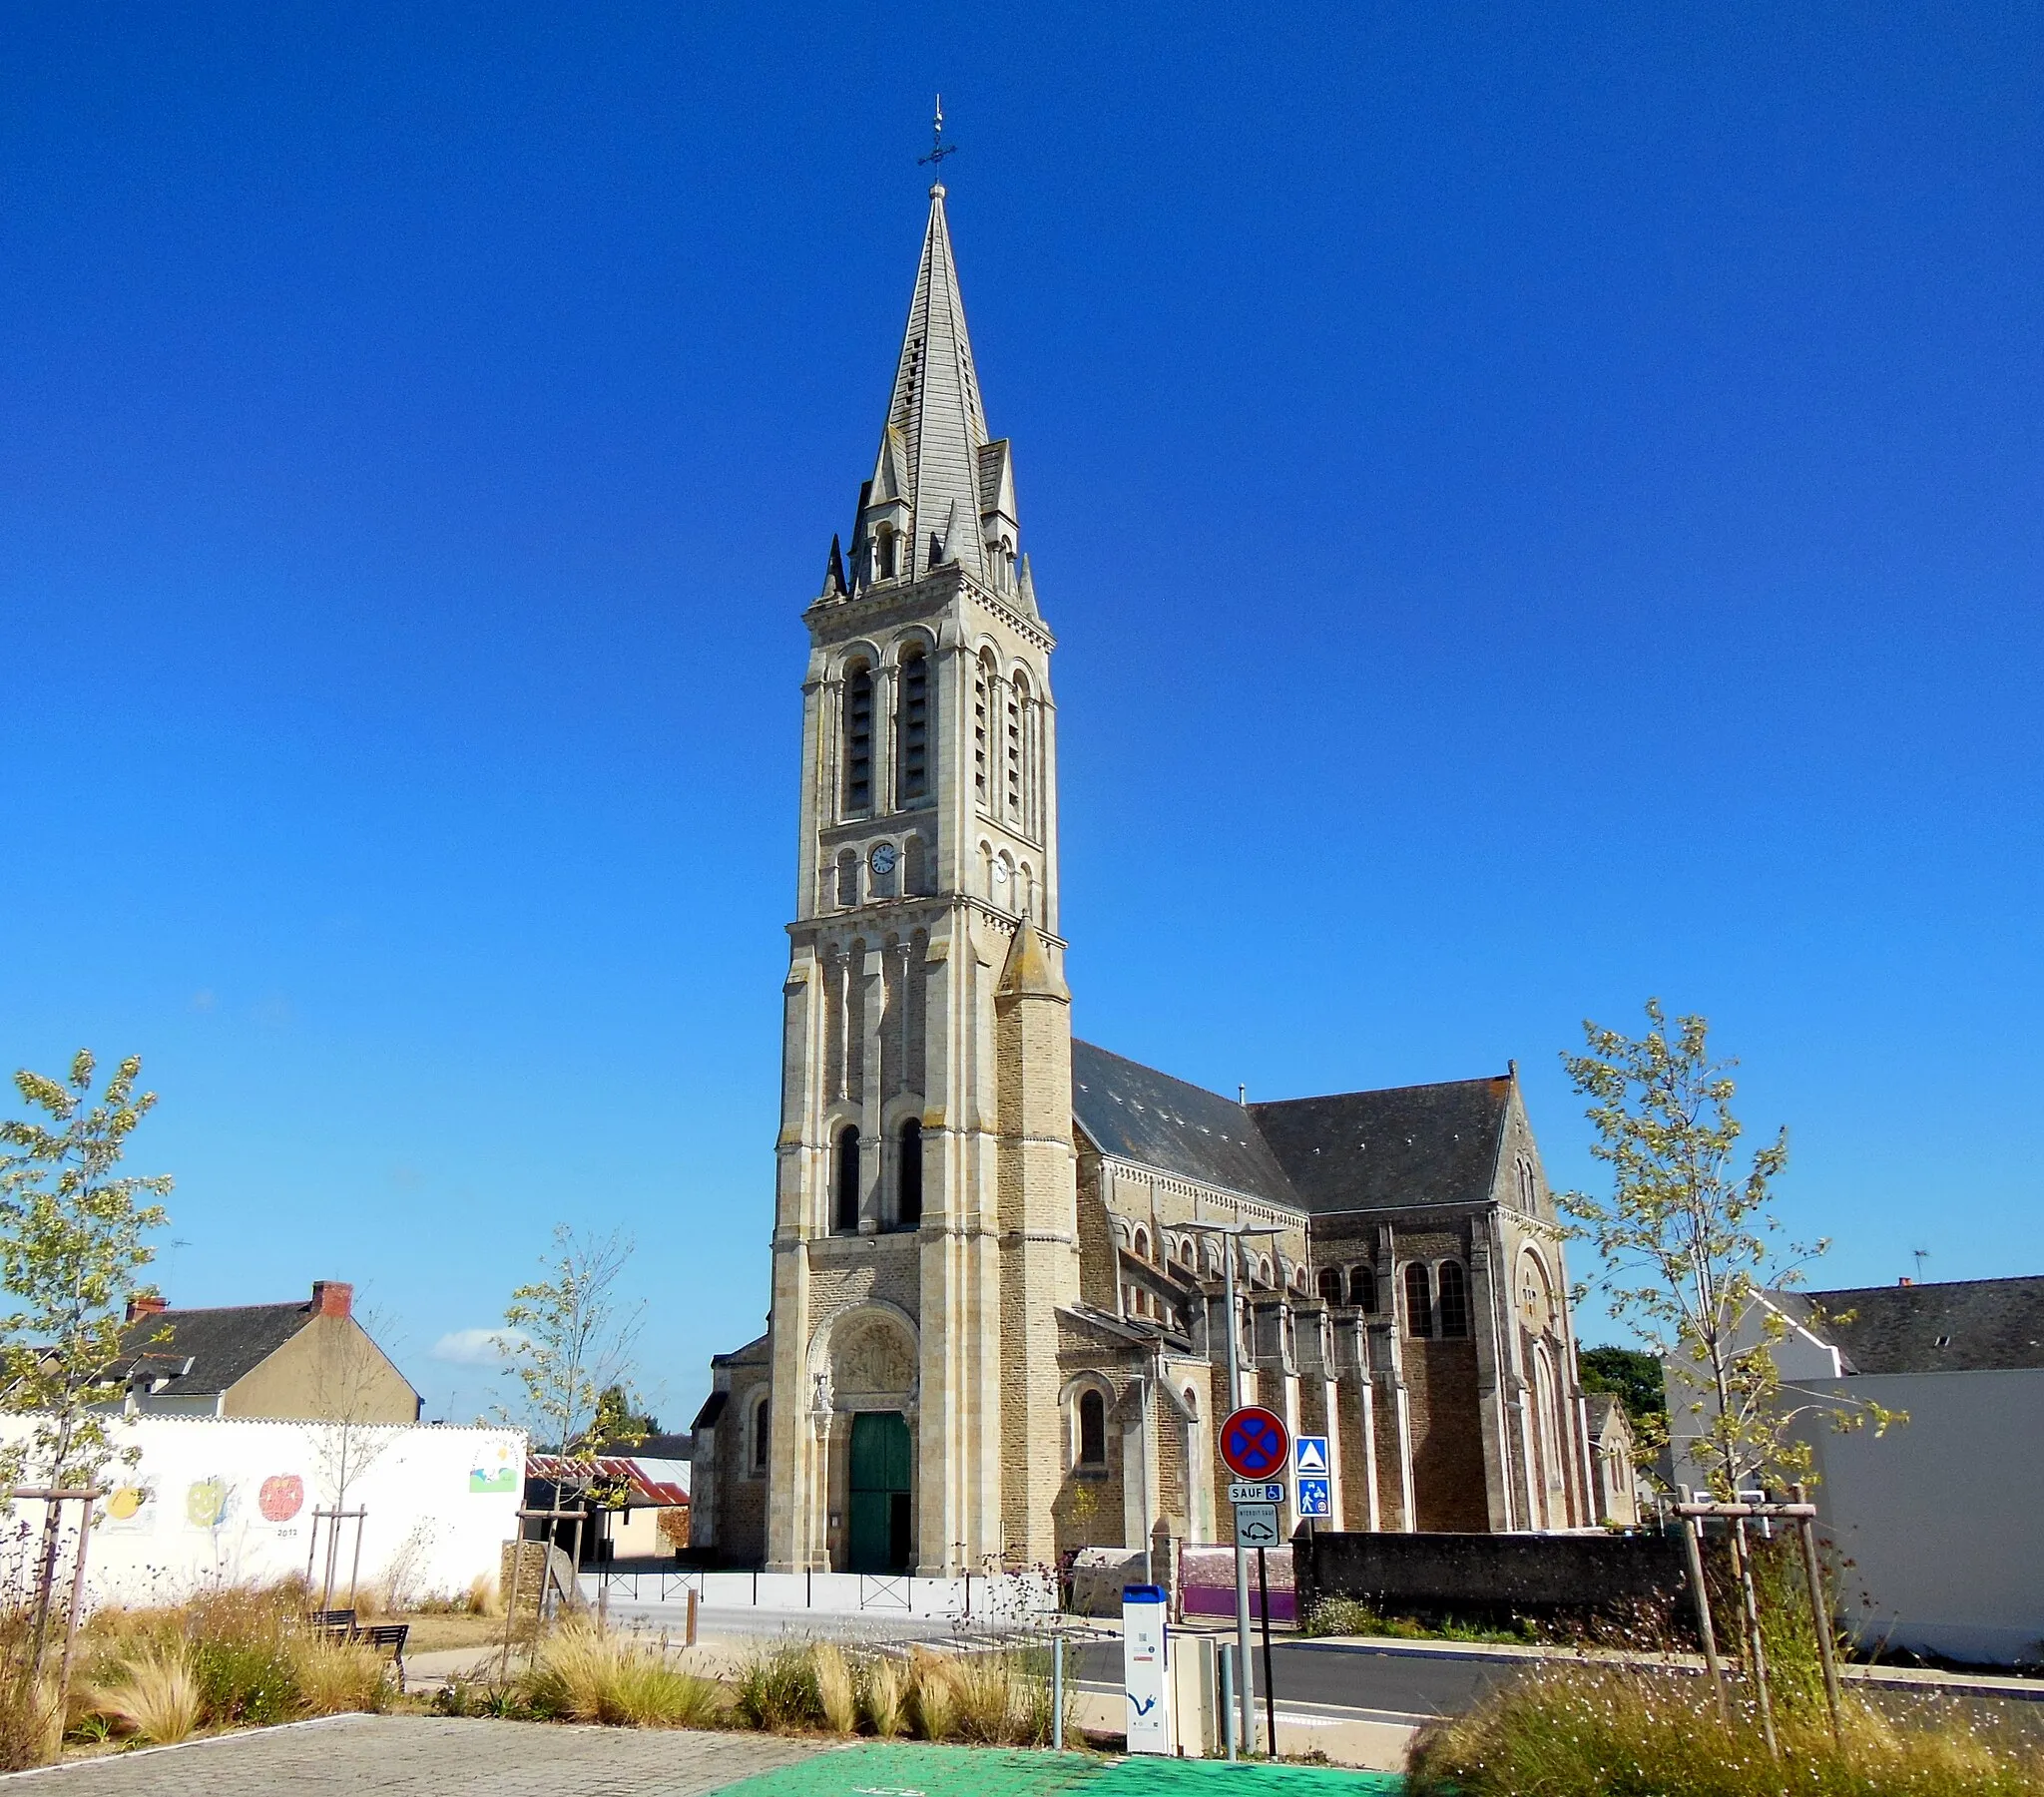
x,y
1540,506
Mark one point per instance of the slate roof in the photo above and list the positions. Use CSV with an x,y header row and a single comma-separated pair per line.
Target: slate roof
x,y
1406,1145
222,1345
1964,1326
1136,1114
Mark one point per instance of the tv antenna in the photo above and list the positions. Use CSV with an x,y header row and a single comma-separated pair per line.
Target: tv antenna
x,y
938,148
1919,1255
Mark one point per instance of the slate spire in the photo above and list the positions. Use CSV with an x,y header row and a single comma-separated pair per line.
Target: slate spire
x,y
941,492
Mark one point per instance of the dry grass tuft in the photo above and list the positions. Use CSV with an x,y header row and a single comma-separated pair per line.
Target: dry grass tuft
x,y
835,1694
884,1696
932,1695
610,1678
988,1690
1583,1731
156,1694
338,1678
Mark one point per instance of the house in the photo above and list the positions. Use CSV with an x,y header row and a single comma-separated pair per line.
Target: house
x,y
1933,1522
636,1506
310,1361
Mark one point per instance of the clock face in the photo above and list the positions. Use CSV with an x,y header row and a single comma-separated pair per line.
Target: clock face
x,y
1000,873
883,858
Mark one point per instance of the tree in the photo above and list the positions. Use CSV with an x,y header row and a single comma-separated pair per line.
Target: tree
x,y
566,1339
1633,1377
1690,1248
73,1235
349,1382
1690,1253
616,1424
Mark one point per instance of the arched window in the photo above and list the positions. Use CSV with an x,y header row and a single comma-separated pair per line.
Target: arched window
x,y
982,726
759,1435
1266,1271
1418,1300
1092,1429
912,727
1138,1244
915,868
858,740
1362,1287
884,547
847,877
846,1215
1453,1285
1330,1285
910,1178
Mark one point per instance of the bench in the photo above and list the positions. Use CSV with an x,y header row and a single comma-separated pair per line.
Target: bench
x,y
339,1623
387,1638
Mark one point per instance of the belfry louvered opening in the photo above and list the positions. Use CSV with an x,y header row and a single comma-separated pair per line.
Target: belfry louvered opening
x,y
858,740
913,727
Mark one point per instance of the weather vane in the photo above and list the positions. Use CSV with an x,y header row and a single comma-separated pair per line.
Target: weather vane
x,y
938,148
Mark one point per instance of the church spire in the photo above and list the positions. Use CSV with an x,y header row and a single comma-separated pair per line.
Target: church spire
x,y
941,493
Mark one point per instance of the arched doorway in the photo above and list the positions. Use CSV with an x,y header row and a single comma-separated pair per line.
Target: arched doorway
x,y
879,1533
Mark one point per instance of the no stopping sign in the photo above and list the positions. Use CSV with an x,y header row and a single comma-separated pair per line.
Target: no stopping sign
x,y
1253,1443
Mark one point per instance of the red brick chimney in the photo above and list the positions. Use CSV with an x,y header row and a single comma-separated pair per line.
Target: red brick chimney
x,y
332,1297
140,1307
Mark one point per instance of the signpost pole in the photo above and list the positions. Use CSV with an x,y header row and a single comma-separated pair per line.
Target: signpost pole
x,y
1269,1683
1245,1693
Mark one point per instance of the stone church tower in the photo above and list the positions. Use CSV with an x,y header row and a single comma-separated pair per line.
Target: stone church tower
x,y
927,1194
1000,1326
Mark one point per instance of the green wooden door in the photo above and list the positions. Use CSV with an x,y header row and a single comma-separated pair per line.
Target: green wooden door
x,y
878,1536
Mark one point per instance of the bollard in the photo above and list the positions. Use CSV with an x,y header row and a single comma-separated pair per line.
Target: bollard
x,y
691,1641
1227,1697
1057,1693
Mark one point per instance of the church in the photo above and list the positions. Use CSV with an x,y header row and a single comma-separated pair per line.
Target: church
x,y
999,1327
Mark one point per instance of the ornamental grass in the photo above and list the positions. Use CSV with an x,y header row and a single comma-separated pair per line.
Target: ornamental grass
x,y
580,1675
1584,1731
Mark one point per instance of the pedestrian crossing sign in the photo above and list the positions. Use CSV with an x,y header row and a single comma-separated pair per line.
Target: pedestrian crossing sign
x,y
1310,1455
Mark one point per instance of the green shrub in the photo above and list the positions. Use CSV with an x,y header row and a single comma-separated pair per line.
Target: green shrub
x,y
776,1691
252,1681
1352,1615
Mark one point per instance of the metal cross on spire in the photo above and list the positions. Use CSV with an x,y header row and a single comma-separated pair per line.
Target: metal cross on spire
x,y
938,148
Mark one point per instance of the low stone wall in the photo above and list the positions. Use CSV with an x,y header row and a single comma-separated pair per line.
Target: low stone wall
x,y
1495,1575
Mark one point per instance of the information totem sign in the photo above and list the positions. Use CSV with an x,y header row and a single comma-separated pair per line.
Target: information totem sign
x,y
1143,1669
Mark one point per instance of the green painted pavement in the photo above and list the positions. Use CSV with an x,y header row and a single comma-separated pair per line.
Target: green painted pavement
x,y
916,1769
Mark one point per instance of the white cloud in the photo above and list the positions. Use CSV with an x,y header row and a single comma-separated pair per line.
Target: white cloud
x,y
477,1347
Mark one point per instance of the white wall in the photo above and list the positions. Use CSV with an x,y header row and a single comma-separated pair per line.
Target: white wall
x,y
1942,1516
229,1499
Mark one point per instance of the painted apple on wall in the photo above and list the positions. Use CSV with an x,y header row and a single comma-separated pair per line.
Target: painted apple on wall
x,y
282,1497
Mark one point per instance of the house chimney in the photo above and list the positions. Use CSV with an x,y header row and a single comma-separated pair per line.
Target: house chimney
x,y
1905,1281
141,1306
332,1297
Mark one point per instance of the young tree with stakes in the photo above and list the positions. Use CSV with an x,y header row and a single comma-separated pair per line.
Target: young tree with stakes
x,y
568,1342
1691,1250
73,1235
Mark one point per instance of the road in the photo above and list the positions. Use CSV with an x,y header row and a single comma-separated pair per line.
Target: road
x,y
1367,1684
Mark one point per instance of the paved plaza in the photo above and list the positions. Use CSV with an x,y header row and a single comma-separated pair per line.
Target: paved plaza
x,y
424,1756
428,1756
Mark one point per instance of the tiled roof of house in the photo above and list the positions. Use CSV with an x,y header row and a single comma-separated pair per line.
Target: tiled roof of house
x,y
1966,1325
622,1472
222,1345
1136,1114
1406,1145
